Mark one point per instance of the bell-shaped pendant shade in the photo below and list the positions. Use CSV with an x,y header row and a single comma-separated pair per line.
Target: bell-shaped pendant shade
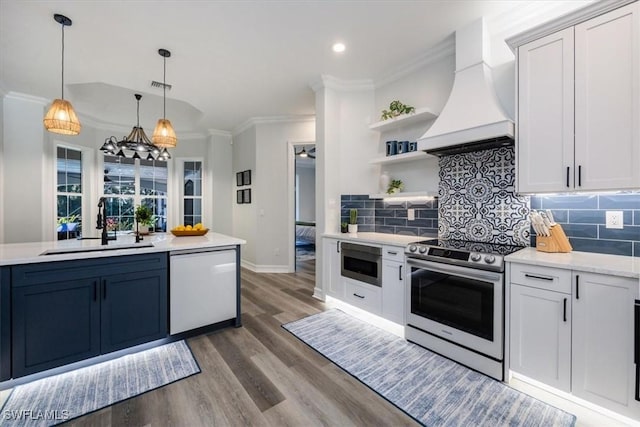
x,y
61,118
163,135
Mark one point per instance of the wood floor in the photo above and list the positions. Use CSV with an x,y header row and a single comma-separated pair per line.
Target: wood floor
x,y
259,374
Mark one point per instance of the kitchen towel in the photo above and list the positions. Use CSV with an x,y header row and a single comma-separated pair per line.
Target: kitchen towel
x,y
432,389
57,399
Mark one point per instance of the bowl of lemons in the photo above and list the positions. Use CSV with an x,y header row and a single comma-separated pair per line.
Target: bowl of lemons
x,y
188,230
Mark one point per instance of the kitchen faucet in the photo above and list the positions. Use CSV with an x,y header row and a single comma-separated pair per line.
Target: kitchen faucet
x,y
102,221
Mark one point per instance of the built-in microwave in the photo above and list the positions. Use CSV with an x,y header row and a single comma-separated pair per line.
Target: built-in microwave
x,y
362,262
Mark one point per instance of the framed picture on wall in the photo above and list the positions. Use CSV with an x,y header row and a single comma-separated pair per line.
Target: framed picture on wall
x,y
246,197
239,197
239,181
246,177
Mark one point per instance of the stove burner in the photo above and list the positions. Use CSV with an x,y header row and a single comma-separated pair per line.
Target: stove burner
x,y
481,255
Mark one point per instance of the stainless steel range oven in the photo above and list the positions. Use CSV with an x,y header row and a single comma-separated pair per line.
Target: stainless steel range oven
x,y
456,301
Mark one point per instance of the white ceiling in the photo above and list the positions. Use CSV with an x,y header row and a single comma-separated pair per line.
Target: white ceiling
x,y
231,60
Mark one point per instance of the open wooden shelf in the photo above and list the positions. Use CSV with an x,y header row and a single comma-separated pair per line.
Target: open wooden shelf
x,y
420,115
400,158
404,194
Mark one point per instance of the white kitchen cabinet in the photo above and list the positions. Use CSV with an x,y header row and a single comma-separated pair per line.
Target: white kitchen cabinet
x,y
603,369
332,265
540,335
545,113
607,93
578,106
587,348
393,293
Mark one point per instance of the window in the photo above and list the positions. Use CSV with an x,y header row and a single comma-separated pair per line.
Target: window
x,y
128,183
69,192
192,203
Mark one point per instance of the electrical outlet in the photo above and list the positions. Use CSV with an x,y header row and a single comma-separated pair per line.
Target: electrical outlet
x,y
411,214
615,219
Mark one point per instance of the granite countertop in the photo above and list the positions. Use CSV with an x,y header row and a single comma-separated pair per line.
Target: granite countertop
x,y
616,265
29,253
379,238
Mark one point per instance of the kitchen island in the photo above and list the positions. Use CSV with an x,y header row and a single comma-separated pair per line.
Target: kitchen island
x,y
64,302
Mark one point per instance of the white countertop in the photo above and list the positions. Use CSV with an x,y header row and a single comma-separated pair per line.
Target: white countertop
x,y
379,238
616,265
28,253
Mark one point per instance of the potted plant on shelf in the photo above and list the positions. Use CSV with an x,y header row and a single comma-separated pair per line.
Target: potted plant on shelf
x,y
144,218
396,108
353,221
344,227
395,186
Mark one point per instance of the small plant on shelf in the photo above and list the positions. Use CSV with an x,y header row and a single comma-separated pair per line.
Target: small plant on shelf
x,y
396,108
353,221
344,227
353,216
395,186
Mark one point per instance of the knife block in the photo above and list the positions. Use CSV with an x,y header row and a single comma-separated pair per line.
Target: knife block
x,y
556,242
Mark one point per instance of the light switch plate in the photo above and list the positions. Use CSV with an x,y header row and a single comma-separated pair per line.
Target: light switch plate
x,y
411,214
615,219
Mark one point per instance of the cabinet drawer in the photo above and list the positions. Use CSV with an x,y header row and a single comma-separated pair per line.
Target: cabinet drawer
x,y
552,279
393,253
363,295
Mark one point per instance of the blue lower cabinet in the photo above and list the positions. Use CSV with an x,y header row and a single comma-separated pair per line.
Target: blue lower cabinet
x,y
54,324
58,319
134,310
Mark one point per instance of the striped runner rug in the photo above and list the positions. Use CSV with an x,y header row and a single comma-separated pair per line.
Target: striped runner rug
x,y
59,398
432,389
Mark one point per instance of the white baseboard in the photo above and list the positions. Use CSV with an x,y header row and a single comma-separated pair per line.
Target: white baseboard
x,y
265,268
318,293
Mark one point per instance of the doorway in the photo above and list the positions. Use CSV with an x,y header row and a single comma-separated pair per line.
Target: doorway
x,y
304,206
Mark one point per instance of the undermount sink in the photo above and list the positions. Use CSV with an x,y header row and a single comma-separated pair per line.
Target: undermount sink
x,y
62,251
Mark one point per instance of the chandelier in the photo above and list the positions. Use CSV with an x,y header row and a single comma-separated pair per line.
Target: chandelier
x,y
136,142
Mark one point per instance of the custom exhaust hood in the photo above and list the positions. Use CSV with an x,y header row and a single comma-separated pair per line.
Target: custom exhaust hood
x,y
472,119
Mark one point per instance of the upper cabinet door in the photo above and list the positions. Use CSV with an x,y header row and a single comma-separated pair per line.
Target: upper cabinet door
x,y
545,114
607,92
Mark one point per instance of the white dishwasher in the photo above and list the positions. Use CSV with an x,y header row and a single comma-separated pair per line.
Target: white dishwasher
x,y
203,288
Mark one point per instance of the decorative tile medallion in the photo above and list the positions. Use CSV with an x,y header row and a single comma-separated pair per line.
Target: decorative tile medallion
x,y
477,200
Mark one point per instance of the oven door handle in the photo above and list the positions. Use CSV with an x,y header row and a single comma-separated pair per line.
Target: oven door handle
x,y
455,270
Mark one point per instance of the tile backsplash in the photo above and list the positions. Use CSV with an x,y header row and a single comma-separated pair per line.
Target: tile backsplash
x,y
583,219
477,200
392,216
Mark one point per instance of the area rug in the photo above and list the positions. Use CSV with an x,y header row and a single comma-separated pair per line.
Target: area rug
x,y
59,398
305,253
432,389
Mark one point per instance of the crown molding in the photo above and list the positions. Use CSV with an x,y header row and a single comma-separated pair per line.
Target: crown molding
x,y
218,132
565,21
270,120
25,97
444,49
331,82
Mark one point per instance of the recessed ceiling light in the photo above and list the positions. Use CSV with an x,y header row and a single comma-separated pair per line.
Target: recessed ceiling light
x,y
339,47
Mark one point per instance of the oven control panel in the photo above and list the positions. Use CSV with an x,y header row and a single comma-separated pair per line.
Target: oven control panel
x,y
471,258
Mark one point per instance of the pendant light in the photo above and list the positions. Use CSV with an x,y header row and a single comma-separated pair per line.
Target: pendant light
x,y
164,136
61,118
